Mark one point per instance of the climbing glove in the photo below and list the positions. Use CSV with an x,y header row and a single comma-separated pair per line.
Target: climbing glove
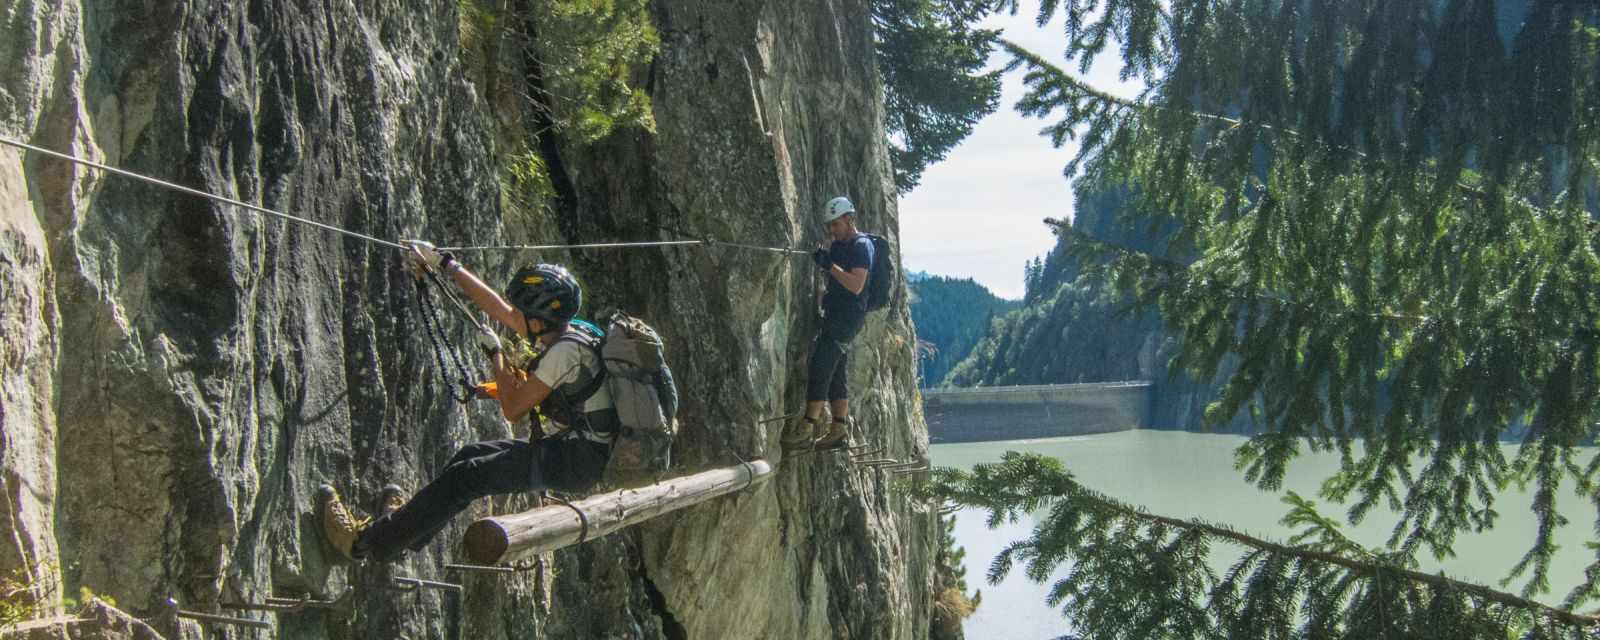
x,y
424,255
820,256
489,342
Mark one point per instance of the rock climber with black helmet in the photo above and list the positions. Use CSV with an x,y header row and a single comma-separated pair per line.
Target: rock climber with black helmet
x,y
847,262
557,373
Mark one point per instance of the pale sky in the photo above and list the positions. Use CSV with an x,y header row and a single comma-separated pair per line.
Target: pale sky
x,y
979,212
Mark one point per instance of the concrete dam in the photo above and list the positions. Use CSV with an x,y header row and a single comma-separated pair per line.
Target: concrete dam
x,y
1035,411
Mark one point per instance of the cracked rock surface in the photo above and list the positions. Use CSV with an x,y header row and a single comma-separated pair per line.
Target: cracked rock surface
x,y
177,377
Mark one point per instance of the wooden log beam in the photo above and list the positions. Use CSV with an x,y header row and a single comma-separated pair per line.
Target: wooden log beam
x,y
493,540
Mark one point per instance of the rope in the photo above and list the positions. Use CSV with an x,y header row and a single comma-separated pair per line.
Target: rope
x,y
435,330
375,240
202,194
627,245
591,245
451,296
752,247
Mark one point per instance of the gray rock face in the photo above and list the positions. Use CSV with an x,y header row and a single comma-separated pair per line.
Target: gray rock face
x,y
178,376
97,621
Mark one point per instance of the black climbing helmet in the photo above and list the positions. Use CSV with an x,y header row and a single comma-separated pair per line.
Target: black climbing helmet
x,y
547,292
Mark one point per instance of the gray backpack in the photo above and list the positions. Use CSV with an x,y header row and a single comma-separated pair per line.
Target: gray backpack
x,y
641,387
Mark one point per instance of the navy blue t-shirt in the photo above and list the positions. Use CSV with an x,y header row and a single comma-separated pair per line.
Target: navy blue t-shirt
x,y
838,303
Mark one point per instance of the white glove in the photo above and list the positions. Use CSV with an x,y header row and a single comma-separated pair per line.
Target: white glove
x,y
489,342
423,254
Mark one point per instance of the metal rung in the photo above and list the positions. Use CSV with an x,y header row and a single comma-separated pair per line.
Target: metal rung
x,y
172,609
873,462
504,568
910,470
284,605
412,584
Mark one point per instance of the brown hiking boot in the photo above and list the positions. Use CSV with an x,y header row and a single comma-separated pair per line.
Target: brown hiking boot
x,y
339,526
797,435
838,436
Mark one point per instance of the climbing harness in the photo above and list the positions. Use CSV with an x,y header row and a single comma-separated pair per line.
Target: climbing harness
x,y
433,326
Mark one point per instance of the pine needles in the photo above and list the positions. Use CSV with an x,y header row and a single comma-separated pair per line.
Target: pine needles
x,y
1137,575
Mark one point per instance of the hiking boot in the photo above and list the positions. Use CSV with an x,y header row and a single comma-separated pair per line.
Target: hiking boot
x,y
837,437
339,526
390,499
797,435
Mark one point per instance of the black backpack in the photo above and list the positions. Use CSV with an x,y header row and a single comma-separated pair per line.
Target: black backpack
x,y
880,281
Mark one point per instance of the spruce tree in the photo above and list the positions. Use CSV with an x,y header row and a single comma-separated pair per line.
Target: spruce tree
x,y
1385,246
931,55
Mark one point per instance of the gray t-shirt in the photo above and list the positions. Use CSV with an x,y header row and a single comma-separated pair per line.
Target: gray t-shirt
x,y
566,362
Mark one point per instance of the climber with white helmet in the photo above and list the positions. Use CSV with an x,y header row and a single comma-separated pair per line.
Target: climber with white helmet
x,y
847,261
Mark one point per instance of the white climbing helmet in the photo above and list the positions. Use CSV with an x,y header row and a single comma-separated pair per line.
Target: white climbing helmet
x,y
837,207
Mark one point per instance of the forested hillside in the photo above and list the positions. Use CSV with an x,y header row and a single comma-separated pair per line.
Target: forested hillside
x,y
951,314
1068,329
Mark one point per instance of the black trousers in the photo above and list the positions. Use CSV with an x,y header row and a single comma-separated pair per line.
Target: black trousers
x,y
827,378
483,469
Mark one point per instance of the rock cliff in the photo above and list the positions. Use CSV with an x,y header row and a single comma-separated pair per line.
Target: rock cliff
x,y
177,376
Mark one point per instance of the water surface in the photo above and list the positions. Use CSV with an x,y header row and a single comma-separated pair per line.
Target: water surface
x,y
1192,475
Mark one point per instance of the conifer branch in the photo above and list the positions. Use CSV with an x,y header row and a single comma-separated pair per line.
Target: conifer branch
x,y
1043,72
1024,483
1177,271
1365,567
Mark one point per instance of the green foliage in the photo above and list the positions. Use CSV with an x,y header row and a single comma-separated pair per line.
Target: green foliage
x,y
28,593
951,603
590,52
931,58
554,68
1071,328
525,188
950,315
1073,334
18,599
1380,218
1137,575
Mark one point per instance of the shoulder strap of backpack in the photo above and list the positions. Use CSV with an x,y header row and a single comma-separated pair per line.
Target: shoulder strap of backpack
x,y
593,344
